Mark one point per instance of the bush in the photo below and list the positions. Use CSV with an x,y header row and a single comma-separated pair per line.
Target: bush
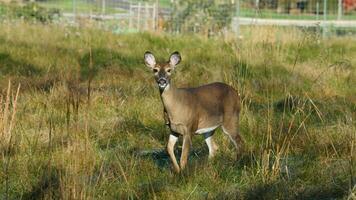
x,y
29,12
202,16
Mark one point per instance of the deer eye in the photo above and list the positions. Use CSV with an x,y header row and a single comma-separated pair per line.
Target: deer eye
x,y
169,70
155,70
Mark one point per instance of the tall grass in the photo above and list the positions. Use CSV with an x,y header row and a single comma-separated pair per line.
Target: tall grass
x,y
8,105
89,122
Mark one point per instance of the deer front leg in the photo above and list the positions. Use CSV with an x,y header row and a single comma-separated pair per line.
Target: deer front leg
x,y
185,150
170,149
211,144
166,118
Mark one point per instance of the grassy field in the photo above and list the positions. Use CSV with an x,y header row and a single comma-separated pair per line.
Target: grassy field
x,y
87,122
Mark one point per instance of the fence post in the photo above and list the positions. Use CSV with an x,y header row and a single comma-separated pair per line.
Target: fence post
x,y
176,23
130,17
339,11
103,7
325,28
157,15
147,14
237,17
257,8
154,16
74,10
325,7
317,10
139,16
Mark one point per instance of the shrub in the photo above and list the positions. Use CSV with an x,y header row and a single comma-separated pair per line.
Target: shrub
x,y
29,12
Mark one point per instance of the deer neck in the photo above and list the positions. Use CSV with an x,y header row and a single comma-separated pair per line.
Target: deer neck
x,y
168,96
168,91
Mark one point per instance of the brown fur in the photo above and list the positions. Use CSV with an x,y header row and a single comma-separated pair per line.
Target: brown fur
x,y
189,109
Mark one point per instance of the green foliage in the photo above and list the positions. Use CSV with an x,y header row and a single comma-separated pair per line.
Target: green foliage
x,y
29,12
202,16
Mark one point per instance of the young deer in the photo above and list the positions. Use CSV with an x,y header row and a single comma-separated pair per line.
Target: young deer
x,y
191,111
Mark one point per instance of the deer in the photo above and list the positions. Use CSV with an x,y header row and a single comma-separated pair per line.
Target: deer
x,y
195,111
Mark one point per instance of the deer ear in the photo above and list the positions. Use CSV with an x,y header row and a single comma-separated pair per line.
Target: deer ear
x,y
150,60
175,59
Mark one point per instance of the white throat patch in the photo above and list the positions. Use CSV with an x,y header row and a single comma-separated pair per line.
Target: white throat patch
x,y
166,88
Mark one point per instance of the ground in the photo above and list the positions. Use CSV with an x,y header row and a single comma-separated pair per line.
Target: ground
x,y
89,120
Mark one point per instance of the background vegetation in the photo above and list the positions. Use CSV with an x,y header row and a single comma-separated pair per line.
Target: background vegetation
x,y
32,12
87,122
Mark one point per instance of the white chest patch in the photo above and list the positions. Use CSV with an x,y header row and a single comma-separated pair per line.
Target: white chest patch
x,y
172,139
205,130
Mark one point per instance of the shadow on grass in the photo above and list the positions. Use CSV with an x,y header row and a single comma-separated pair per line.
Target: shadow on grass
x,y
47,186
10,66
161,158
196,156
285,190
26,74
158,132
319,109
92,62
134,124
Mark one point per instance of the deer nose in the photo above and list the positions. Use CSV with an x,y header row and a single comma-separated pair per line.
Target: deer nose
x,y
162,81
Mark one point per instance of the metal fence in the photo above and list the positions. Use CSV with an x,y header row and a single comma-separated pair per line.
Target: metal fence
x,y
203,16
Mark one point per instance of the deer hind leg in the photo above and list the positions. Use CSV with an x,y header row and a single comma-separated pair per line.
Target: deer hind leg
x,y
230,128
185,150
170,149
211,144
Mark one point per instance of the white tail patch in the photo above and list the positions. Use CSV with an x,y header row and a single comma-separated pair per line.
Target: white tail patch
x,y
205,130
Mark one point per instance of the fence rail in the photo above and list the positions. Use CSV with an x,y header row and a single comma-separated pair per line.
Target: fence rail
x,y
205,16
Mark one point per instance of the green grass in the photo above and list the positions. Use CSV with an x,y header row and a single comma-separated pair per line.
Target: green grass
x,y
298,116
81,6
85,6
65,5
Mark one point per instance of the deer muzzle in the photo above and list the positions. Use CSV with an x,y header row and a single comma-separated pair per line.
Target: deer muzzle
x,y
162,82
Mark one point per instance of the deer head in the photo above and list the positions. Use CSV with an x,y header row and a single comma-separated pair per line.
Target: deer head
x,y
162,71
